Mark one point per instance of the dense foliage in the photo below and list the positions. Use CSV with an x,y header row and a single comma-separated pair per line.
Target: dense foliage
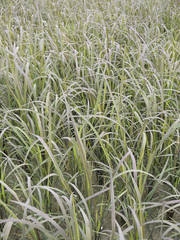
x,y
89,119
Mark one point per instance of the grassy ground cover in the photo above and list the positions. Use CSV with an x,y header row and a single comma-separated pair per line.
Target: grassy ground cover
x,y
89,119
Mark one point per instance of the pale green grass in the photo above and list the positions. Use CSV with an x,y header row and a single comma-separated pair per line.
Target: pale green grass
x,y
89,119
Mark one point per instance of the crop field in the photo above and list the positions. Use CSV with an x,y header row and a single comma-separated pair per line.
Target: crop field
x,y
90,119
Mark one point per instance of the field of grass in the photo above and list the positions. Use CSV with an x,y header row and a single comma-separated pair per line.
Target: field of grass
x,y
89,119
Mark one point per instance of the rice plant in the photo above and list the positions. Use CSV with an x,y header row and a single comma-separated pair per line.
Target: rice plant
x,y
89,119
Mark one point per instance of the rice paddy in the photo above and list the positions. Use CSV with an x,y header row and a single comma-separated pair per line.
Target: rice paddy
x,y
89,119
